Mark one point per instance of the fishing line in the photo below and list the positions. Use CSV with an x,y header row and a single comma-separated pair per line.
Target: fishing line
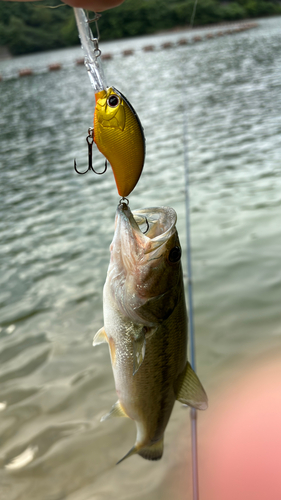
x,y
50,6
193,14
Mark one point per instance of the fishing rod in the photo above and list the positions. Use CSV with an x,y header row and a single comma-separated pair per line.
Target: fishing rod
x,y
193,411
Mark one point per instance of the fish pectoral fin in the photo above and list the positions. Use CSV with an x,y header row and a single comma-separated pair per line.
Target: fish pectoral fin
x,y
138,350
116,411
189,389
100,337
153,452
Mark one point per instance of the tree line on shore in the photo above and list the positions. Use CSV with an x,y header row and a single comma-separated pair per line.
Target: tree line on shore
x,y
31,27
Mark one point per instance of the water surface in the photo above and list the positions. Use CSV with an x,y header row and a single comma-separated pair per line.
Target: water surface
x,y
56,227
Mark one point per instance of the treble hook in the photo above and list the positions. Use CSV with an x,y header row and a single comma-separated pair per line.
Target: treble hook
x,y
90,141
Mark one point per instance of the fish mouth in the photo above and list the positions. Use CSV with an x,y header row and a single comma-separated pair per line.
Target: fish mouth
x,y
143,232
160,225
139,256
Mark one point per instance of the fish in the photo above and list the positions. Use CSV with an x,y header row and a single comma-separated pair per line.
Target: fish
x,y
145,326
119,136
117,131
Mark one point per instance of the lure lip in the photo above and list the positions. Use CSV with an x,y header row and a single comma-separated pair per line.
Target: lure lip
x,y
89,45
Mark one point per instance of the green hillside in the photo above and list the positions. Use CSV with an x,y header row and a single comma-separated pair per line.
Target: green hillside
x,y
31,27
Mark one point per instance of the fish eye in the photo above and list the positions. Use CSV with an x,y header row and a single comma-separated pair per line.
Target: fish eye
x,y
175,254
113,101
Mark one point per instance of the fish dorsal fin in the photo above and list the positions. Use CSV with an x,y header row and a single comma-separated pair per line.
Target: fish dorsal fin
x,y
100,337
116,411
153,452
189,389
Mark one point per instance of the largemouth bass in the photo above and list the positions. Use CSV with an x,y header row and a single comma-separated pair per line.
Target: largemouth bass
x,y
145,325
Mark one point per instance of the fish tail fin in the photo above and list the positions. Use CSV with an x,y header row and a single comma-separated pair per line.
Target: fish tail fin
x,y
129,454
152,452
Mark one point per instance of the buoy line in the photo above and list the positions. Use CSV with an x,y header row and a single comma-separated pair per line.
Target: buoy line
x,y
146,48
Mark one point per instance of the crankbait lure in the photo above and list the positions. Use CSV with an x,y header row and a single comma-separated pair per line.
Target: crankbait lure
x,y
117,131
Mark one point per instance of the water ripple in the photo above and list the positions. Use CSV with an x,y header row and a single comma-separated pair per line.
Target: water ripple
x,y
56,228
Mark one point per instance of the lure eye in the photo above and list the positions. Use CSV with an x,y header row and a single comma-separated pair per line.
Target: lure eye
x,y
175,254
113,101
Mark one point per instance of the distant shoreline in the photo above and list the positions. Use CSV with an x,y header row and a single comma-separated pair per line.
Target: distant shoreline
x,y
5,54
187,27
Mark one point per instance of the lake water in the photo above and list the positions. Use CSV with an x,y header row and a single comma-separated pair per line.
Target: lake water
x,y
56,227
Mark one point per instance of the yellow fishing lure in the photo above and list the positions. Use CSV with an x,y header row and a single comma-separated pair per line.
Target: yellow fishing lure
x,y
119,136
117,131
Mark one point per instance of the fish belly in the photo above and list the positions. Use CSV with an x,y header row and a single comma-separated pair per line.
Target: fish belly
x,y
148,396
